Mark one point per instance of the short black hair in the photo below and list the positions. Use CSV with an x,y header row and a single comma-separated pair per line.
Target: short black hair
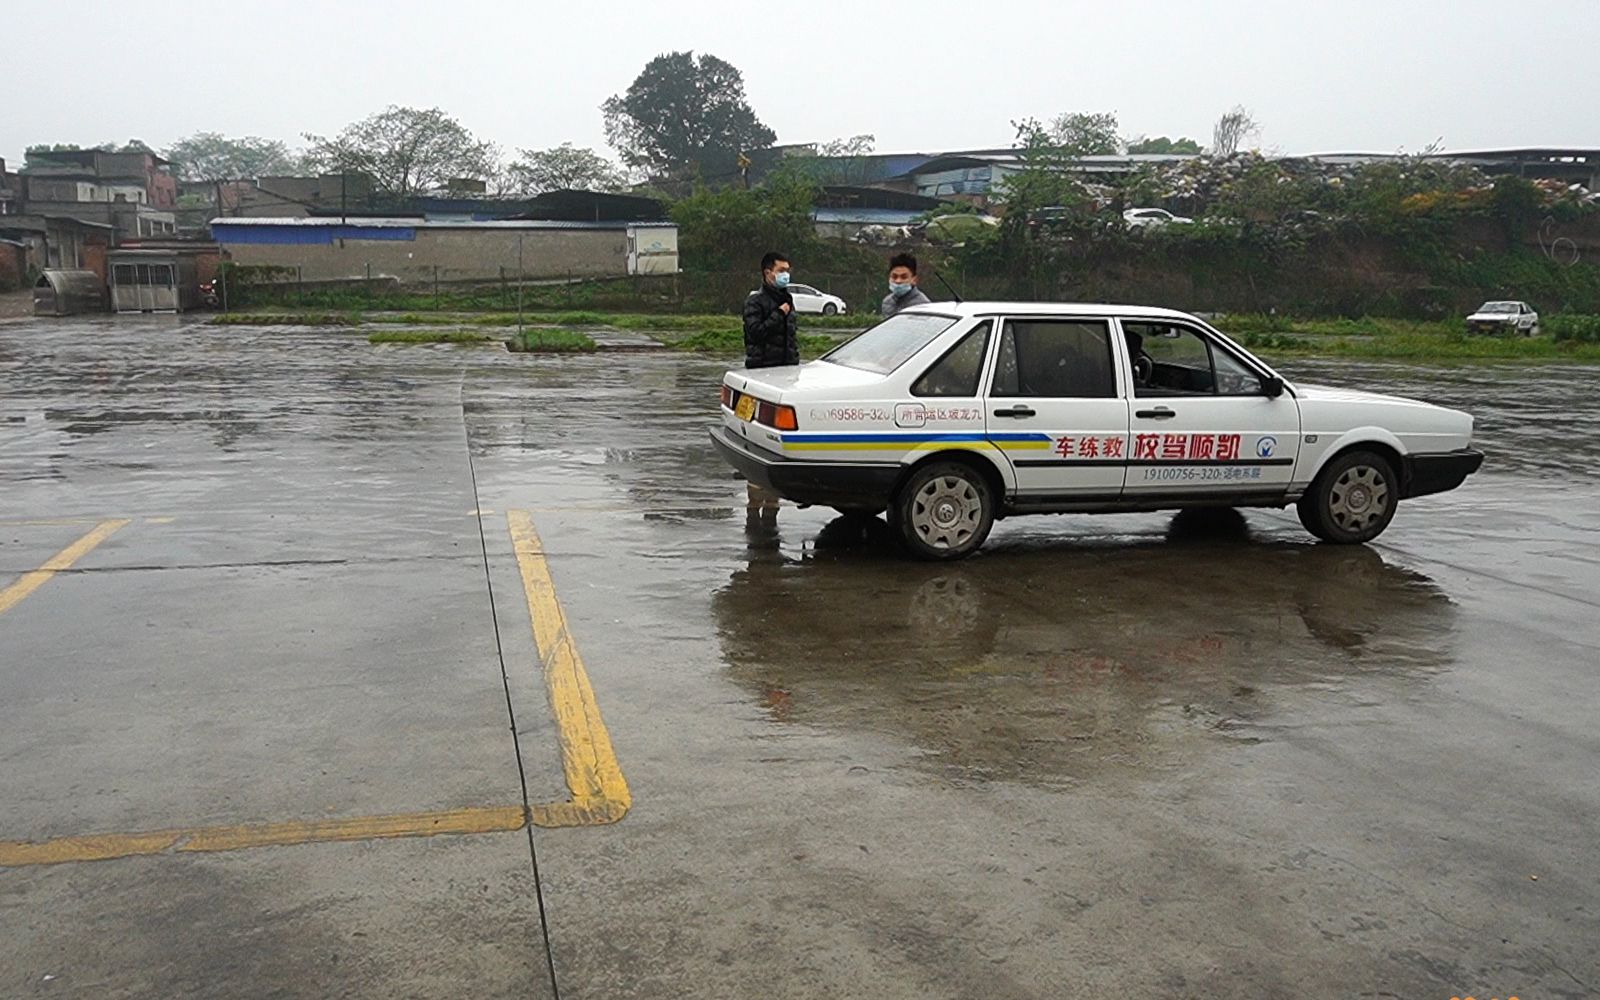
x,y
904,260
771,259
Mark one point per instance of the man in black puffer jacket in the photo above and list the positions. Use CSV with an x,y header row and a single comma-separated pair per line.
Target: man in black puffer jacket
x,y
770,337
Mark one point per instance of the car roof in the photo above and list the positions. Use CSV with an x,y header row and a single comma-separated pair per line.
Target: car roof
x,y
1091,309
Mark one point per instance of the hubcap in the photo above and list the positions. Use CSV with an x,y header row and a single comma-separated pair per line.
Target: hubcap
x,y
1359,498
946,511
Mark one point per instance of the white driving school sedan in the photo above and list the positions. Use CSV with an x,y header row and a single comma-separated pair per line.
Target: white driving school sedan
x,y
949,416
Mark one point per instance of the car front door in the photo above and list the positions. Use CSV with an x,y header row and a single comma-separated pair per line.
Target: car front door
x,y
1204,421
1057,408
806,299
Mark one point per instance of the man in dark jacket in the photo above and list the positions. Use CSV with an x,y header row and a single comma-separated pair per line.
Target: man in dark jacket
x,y
770,337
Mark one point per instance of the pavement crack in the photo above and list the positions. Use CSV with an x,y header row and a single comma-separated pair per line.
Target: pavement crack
x,y
511,711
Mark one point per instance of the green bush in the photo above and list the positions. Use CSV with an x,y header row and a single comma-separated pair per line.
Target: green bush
x,y
1573,327
546,340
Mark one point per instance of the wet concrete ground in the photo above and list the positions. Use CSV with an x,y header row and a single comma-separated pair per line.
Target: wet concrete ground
x,y
1138,756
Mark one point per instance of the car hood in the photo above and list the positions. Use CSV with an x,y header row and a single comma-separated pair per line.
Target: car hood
x,y
813,376
1491,318
1338,394
1325,407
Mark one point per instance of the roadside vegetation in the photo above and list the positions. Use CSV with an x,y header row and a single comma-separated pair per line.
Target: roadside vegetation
x,y
286,319
729,342
549,340
1565,338
428,337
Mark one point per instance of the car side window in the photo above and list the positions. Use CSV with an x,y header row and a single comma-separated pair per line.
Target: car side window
x,y
957,373
1062,359
1170,359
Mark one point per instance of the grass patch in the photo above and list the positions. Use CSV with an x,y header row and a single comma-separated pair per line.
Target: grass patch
x,y
730,342
1408,340
545,340
1423,347
286,319
428,337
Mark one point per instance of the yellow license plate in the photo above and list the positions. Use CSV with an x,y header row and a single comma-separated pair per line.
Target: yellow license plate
x,y
745,409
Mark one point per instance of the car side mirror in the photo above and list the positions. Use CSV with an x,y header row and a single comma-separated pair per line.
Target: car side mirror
x,y
1271,386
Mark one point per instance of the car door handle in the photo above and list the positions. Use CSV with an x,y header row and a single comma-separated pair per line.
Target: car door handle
x,y
1017,411
1159,413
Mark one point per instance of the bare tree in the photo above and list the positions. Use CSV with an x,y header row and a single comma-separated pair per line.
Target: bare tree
x,y
1232,130
563,167
405,150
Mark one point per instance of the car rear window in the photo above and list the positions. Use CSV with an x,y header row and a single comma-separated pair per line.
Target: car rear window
x,y
891,343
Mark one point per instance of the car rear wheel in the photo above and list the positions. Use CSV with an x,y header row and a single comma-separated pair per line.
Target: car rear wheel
x,y
944,511
1352,500
830,309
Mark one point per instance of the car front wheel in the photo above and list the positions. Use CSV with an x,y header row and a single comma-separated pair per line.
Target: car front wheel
x,y
830,309
1352,500
944,511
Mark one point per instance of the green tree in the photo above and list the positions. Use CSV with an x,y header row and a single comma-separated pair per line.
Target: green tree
x,y
728,228
684,116
1161,144
405,150
211,156
563,168
1086,134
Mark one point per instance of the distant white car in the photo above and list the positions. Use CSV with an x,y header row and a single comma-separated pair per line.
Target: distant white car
x,y
1504,317
808,299
1145,218
948,416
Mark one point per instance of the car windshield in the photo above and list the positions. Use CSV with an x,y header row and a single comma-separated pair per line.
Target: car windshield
x,y
1499,307
891,343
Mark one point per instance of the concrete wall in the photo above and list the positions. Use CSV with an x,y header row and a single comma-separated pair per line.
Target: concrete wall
x,y
458,254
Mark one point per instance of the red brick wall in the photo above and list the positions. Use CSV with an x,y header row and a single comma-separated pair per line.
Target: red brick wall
x,y
94,258
13,267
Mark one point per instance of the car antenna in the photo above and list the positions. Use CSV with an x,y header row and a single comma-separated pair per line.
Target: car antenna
x,y
947,285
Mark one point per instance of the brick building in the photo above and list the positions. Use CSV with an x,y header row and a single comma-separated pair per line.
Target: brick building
x,y
135,192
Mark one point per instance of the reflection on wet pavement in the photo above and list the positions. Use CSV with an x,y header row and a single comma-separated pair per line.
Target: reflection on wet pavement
x,y
1049,664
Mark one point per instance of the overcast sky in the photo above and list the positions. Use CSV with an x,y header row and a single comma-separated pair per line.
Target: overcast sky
x,y
922,77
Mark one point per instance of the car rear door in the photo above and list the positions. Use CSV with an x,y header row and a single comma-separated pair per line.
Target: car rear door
x,y
1203,422
1056,406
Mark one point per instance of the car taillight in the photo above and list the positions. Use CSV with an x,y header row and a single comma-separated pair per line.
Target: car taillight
x,y
727,395
782,418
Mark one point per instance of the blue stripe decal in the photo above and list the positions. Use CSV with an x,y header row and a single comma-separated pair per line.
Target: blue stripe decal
x,y
800,438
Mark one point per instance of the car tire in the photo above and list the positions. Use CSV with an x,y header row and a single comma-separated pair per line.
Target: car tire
x,y
830,309
944,511
1352,500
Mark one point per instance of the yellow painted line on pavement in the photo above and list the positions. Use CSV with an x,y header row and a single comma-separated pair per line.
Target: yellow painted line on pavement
x,y
33,580
101,847
599,792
